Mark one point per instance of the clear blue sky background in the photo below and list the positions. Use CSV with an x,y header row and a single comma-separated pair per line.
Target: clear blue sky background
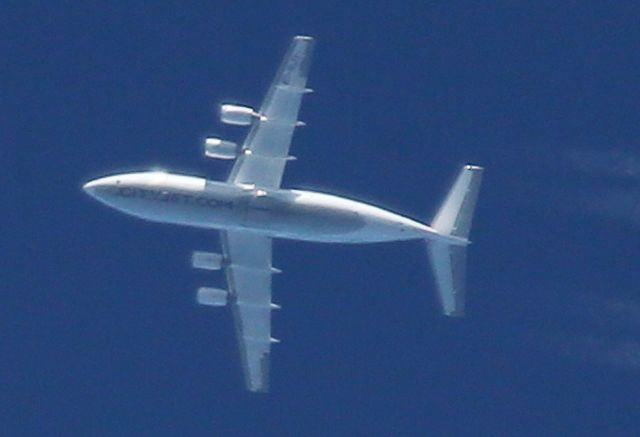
x,y
99,331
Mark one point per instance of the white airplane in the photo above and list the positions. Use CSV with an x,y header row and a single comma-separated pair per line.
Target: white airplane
x,y
250,209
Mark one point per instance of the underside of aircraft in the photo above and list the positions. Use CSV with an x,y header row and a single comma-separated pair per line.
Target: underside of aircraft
x,y
251,208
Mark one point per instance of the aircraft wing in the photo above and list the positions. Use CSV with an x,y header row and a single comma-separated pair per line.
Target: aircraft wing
x,y
248,271
266,149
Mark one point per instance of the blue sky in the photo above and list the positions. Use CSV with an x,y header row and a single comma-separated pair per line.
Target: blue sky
x,y
100,331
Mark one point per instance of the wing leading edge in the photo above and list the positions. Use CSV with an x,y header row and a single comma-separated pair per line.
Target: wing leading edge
x,y
266,148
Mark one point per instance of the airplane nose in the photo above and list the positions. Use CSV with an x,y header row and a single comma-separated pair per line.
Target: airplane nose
x,y
90,186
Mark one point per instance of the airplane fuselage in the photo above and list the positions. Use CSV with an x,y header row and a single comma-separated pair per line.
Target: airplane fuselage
x,y
251,208
281,213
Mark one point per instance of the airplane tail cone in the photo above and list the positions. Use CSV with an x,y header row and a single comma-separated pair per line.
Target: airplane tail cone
x,y
448,260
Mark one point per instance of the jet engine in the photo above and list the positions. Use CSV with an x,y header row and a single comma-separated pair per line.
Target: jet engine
x,y
220,149
237,115
212,296
206,260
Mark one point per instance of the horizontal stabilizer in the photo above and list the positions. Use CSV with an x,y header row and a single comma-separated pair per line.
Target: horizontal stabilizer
x,y
448,260
455,214
449,270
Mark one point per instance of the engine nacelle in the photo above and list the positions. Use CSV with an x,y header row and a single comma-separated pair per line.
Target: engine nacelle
x,y
237,115
212,296
220,149
206,260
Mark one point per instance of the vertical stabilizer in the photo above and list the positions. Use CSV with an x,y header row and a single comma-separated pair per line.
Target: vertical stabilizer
x,y
454,219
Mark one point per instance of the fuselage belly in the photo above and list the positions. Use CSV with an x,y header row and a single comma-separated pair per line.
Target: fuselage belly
x,y
291,214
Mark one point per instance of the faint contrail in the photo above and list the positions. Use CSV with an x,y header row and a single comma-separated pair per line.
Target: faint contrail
x,y
612,186
614,162
590,328
606,201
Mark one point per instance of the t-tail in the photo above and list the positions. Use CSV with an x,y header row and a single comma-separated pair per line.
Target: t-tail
x,y
448,257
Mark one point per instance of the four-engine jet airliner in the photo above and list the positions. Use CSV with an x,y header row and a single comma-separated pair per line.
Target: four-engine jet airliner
x,y
250,209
